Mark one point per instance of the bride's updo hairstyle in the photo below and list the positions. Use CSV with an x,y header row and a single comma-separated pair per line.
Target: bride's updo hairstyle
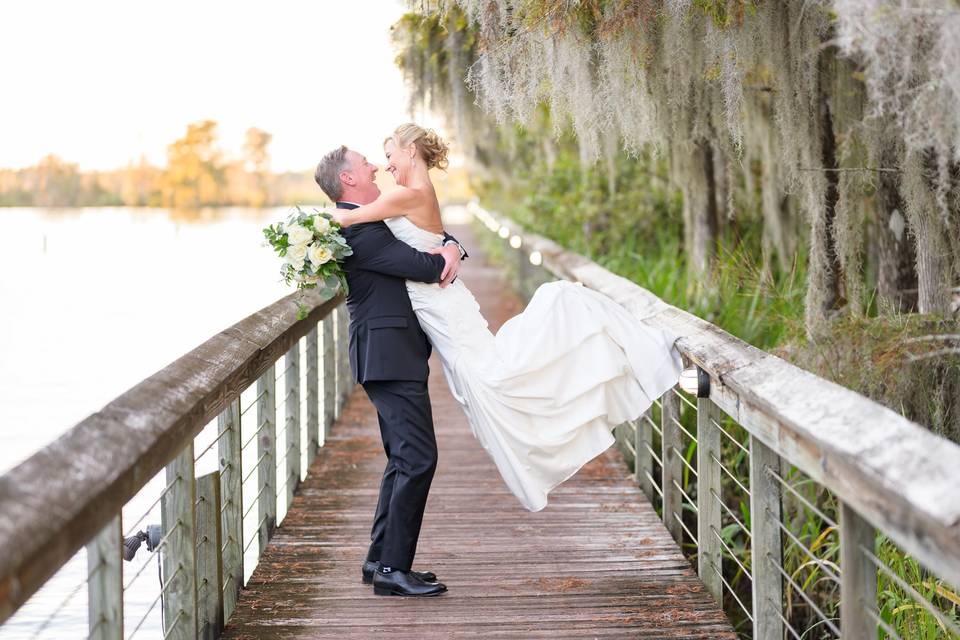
x,y
432,148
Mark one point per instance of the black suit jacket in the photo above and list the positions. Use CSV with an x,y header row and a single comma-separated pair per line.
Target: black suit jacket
x,y
386,340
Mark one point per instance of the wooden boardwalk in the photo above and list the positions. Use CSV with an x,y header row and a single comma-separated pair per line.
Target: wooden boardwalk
x,y
596,563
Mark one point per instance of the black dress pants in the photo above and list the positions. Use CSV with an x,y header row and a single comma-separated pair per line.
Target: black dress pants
x,y
406,428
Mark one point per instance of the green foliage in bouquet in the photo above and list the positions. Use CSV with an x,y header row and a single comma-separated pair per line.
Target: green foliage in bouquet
x,y
313,251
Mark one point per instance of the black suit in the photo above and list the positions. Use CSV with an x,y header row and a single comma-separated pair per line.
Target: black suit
x,y
388,355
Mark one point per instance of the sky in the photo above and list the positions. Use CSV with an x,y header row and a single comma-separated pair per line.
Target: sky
x,y
101,82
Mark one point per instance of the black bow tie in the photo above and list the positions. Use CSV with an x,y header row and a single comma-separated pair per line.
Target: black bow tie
x,y
346,205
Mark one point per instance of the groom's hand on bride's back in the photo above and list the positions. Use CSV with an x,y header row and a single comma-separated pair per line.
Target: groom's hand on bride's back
x,y
451,258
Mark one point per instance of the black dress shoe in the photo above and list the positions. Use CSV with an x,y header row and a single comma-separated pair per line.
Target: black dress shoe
x,y
404,583
369,568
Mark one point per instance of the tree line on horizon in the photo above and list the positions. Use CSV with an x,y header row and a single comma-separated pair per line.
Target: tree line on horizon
x,y
197,174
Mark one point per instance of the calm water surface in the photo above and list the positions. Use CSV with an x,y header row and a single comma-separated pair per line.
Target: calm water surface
x,y
95,300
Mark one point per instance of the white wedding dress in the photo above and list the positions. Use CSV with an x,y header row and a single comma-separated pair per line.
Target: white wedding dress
x,y
544,394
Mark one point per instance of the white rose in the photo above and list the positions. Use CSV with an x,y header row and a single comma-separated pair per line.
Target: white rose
x,y
321,224
319,254
296,255
297,234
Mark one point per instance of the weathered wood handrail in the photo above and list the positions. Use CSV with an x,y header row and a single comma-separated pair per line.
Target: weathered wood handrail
x,y
67,493
888,472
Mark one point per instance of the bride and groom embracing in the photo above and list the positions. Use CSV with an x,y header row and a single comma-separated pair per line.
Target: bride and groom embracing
x,y
542,395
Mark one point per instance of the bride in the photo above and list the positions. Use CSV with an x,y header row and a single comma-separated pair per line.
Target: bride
x,y
542,395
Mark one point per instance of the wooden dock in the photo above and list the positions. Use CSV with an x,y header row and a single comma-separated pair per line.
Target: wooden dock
x,y
596,563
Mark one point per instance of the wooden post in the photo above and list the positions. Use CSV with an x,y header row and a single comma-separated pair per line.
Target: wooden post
x,y
313,396
105,589
179,558
617,433
292,422
266,454
337,360
329,376
344,377
622,434
231,496
766,544
643,467
672,466
523,274
858,580
709,523
209,566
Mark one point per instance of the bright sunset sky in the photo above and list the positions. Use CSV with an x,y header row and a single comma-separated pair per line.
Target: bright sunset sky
x,y
101,82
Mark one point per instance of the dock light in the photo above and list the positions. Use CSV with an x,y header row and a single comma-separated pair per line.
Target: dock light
x,y
695,381
504,232
515,242
151,536
535,258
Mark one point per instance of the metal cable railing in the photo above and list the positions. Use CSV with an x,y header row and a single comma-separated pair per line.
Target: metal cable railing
x,y
765,482
310,349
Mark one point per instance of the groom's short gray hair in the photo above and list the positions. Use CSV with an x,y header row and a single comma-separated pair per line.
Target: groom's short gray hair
x,y
328,172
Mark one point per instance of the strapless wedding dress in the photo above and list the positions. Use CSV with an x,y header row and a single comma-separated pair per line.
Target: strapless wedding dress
x,y
542,395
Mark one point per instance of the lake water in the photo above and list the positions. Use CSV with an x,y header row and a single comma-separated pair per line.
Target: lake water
x,y
95,300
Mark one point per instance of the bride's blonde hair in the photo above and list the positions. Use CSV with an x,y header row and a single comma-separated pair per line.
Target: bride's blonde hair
x,y
431,147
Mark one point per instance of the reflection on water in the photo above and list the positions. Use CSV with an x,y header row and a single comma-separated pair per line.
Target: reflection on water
x,y
95,300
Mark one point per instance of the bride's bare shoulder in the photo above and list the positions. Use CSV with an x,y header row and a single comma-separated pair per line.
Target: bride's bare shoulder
x,y
404,197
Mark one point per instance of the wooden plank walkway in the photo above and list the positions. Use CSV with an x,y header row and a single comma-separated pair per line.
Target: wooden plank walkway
x,y
596,563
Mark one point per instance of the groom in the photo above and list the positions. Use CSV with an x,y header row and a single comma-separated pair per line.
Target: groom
x,y
388,355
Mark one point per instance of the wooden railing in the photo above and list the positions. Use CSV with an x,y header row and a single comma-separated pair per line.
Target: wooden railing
x,y
71,493
795,496
732,473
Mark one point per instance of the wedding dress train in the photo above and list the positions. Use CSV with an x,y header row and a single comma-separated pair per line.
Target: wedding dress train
x,y
542,395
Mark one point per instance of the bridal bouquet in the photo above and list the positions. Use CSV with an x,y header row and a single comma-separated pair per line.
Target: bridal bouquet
x,y
312,249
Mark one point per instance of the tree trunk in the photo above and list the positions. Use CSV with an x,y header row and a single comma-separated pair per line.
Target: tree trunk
x,y
823,285
776,216
779,227
832,196
611,148
926,223
896,275
700,210
721,173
